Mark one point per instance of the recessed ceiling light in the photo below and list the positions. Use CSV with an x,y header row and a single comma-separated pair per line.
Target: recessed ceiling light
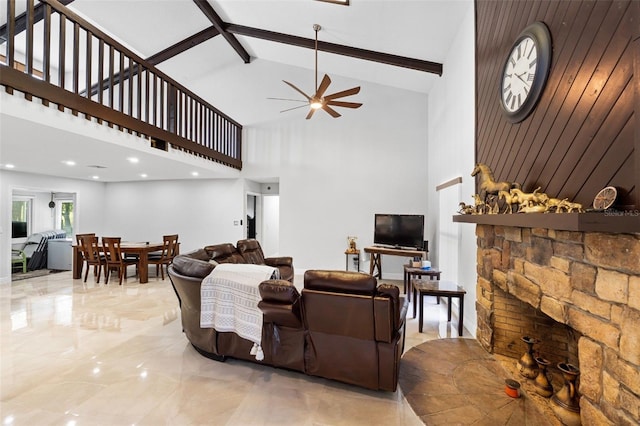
x,y
133,160
69,162
95,177
9,166
194,173
143,175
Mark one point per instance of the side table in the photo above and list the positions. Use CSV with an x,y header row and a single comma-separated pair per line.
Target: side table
x,y
356,257
410,272
446,289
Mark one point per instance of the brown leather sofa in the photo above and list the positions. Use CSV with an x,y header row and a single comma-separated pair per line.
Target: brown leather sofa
x,y
249,251
344,326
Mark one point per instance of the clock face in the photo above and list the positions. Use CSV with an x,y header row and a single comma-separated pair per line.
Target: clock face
x,y
519,74
525,72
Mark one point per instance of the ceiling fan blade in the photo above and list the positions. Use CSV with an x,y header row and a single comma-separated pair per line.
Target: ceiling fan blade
x,y
298,90
287,99
332,112
326,81
311,111
291,109
345,104
348,92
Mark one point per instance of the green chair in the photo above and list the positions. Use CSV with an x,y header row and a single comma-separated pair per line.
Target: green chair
x,y
18,257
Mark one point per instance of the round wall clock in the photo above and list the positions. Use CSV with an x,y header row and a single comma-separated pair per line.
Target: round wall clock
x,y
525,72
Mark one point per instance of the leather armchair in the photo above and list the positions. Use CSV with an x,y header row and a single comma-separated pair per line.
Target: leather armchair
x,y
345,314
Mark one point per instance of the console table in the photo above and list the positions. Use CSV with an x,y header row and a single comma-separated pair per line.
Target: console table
x,y
377,252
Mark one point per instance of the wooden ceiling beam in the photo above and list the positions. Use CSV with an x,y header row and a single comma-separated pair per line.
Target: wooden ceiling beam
x,y
219,25
354,52
183,45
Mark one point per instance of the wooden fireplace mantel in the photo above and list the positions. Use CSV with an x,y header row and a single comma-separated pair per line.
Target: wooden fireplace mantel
x,y
610,222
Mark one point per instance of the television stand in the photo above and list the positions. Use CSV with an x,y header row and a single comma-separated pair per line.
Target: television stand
x,y
377,252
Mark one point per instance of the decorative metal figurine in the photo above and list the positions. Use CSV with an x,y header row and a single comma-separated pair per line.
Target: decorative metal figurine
x,y
495,196
352,245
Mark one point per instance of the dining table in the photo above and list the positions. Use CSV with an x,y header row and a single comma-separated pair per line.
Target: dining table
x,y
141,249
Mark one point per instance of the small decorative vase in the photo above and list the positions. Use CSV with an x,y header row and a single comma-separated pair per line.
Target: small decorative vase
x,y
543,387
566,402
527,365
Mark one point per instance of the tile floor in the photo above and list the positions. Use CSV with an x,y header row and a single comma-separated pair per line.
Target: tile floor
x,y
75,353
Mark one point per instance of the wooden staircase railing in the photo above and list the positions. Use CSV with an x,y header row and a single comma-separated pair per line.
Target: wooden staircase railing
x,y
88,72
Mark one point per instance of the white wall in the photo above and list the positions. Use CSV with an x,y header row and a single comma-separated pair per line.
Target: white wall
x,y
201,212
452,150
335,174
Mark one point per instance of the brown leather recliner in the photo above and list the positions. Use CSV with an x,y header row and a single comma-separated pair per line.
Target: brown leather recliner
x,y
252,253
249,251
355,328
343,327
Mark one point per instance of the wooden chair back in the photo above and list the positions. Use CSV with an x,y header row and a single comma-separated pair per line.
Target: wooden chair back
x,y
169,251
170,246
111,250
79,238
90,250
113,255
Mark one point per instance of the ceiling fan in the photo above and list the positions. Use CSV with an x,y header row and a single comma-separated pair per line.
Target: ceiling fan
x,y
319,100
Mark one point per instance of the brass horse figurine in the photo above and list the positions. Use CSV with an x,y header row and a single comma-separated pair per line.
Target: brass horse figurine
x,y
488,185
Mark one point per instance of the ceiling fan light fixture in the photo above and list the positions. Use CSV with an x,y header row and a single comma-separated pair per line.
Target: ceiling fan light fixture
x,y
316,103
319,100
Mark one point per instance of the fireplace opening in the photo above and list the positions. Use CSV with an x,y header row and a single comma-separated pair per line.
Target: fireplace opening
x,y
514,319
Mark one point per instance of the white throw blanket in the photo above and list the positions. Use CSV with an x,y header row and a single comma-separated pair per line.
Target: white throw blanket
x,y
229,299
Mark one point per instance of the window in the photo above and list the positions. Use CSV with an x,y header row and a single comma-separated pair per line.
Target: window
x,y
64,215
21,217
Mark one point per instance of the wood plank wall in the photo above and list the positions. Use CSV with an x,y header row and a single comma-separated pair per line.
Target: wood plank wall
x,y
584,133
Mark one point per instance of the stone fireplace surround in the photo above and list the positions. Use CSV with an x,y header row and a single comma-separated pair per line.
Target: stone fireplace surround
x,y
579,293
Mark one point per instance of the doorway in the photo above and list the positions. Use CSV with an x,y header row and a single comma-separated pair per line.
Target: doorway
x,y
263,221
252,212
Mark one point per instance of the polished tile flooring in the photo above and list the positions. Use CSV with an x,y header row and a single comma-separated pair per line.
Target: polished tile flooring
x,y
75,353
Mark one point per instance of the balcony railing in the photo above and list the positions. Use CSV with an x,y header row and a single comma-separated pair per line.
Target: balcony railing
x,y
53,54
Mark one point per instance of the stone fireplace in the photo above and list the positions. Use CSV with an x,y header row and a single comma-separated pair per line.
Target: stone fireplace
x,y
579,294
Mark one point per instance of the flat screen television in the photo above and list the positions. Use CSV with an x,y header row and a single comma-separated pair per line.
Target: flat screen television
x,y
18,229
399,230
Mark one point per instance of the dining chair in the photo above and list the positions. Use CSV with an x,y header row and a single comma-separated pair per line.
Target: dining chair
x,y
165,257
114,258
91,254
79,242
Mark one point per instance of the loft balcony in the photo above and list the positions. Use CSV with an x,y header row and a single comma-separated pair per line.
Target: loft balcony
x,y
48,52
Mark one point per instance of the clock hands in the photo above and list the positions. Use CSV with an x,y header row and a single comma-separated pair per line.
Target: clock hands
x,y
526,83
